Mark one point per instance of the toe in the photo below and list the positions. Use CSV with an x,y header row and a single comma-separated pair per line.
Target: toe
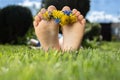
x,y
43,10
51,8
74,11
83,21
38,17
80,17
36,20
77,13
40,14
66,8
35,24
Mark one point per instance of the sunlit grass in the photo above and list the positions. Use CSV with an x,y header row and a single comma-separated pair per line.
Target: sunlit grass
x,y
23,63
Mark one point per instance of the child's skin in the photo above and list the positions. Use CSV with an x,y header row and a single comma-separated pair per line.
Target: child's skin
x,y
47,31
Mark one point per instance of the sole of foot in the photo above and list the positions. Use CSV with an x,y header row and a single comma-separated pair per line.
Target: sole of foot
x,y
46,31
73,33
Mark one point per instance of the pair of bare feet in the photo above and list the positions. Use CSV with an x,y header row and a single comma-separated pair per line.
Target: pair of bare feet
x,y
47,31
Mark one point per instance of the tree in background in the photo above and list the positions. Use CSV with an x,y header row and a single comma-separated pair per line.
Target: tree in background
x,y
14,23
81,5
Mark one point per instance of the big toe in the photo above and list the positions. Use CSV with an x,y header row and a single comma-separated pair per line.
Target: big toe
x,y
65,8
51,8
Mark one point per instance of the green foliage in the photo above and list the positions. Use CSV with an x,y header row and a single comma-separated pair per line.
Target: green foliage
x,y
92,36
92,30
30,34
22,63
14,23
81,5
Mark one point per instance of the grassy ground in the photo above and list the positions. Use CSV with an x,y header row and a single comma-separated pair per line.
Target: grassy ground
x,y
22,63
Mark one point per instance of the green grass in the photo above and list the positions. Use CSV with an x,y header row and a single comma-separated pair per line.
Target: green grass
x,y
22,63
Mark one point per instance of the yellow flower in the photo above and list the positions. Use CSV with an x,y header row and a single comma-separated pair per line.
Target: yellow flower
x,y
64,20
57,14
60,17
72,18
46,15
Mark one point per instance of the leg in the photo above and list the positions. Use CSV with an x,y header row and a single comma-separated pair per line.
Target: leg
x,y
73,33
46,31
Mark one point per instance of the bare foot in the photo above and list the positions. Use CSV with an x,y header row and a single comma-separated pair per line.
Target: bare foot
x,y
46,31
73,33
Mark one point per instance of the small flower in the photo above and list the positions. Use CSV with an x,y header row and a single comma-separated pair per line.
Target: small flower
x,y
60,17
57,20
46,15
64,20
72,18
57,14
67,12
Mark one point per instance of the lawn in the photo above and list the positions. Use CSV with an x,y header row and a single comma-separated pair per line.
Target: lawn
x,y
22,63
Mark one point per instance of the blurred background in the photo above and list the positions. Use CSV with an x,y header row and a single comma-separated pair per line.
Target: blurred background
x,y
103,18
100,10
